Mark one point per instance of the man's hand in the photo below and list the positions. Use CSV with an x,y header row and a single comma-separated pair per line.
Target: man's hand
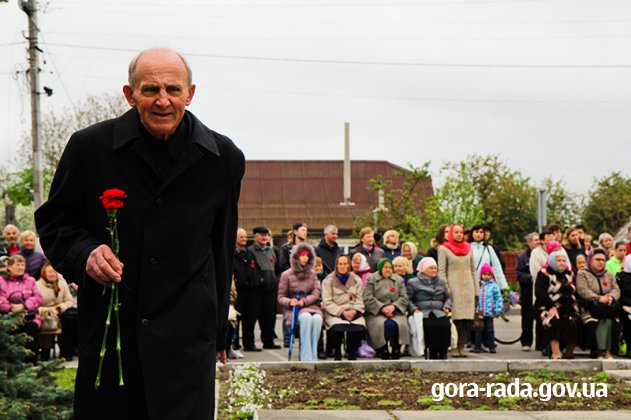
x,y
103,266
222,357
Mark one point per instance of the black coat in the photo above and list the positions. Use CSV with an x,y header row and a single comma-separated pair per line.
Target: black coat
x,y
328,254
176,241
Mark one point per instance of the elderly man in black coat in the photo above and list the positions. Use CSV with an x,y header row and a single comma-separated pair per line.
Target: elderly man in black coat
x,y
177,234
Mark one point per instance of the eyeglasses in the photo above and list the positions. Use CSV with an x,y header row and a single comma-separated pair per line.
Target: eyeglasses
x,y
599,259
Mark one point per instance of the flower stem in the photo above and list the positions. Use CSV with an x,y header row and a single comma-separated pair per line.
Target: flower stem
x,y
97,382
118,337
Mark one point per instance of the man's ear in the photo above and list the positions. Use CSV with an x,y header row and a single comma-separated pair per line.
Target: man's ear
x,y
128,92
191,92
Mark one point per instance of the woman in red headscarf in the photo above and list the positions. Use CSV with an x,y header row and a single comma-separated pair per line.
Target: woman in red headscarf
x,y
457,267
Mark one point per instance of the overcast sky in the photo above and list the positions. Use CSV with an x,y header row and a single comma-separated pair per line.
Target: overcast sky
x,y
544,83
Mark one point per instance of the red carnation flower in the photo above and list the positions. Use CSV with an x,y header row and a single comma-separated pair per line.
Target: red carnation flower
x,y
252,264
350,297
392,290
113,199
605,284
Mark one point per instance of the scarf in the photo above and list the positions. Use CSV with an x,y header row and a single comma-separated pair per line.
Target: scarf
x,y
363,266
392,247
381,263
590,259
627,264
343,278
53,285
413,249
458,248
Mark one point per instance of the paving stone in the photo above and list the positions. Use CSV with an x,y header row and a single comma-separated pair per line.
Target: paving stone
x,y
460,365
319,415
555,365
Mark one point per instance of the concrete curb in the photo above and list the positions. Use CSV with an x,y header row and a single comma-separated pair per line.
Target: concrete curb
x,y
413,415
448,365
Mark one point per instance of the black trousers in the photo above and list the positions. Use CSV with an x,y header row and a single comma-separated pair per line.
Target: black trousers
x,y
527,313
248,304
267,316
68,340
32,330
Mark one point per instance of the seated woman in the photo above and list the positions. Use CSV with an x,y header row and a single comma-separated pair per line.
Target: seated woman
x,y
19,293
361,267
386,301
403,268
301,280
57,300
556,300
343,308
599,291
428,294
34,259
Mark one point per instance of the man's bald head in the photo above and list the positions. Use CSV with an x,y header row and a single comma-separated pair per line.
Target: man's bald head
x,y
131,74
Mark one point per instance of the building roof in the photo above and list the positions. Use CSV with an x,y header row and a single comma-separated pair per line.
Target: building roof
x,y
278,194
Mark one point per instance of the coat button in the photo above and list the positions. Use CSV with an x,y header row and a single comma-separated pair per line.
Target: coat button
x,y
153,261
144,322
160,202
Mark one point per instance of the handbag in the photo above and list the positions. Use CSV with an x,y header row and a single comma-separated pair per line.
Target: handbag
x,y
365,351
602,310
417,335
50,321
478,321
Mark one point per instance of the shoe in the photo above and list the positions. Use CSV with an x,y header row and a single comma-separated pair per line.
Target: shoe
x,y
525,348
462,352
492,350
253,348
322,355
383,353
396,353
272,346
476,350
238,354
232,354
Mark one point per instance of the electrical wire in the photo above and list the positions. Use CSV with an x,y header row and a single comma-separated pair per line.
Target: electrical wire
x,y
368,63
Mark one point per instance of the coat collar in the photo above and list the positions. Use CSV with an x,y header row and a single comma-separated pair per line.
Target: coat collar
x,y
127,129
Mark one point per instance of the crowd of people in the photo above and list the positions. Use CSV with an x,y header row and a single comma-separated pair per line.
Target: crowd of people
x,y
30,285
574,293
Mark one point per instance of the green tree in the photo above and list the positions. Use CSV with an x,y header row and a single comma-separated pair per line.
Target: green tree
x,y
608,205
27,392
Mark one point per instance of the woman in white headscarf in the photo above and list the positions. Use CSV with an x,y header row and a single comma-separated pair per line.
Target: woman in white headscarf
x,y
361,268
428,294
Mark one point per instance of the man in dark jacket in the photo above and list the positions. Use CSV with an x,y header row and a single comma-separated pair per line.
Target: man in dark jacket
x,y
526,283
182,180
328,249
247,289
267,273
298,234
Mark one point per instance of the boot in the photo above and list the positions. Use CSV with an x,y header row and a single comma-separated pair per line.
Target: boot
x,y
383,353
353,340
461,351
396,352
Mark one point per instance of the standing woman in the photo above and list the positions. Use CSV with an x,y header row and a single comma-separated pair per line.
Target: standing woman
x,y
343,308
606,242
386,301
391,246
34,259
301,279
457,267
441,237
483,253
410,251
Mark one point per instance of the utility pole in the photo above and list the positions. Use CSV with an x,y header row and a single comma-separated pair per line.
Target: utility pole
x,y
30,8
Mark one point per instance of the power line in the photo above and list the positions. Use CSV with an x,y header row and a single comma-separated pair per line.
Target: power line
x,y
12,43
367,63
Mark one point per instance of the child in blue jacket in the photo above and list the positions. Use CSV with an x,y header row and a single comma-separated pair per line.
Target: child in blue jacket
x,y
489,306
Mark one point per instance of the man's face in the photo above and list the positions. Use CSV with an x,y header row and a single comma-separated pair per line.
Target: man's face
x,y
558,235
330,237
242,238
548,238
534,242
581,233
262,239
11,235
160,92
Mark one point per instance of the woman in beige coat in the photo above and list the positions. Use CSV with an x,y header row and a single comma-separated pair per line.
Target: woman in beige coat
x,y
597,285
386,302
457,268
57,300
343,308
